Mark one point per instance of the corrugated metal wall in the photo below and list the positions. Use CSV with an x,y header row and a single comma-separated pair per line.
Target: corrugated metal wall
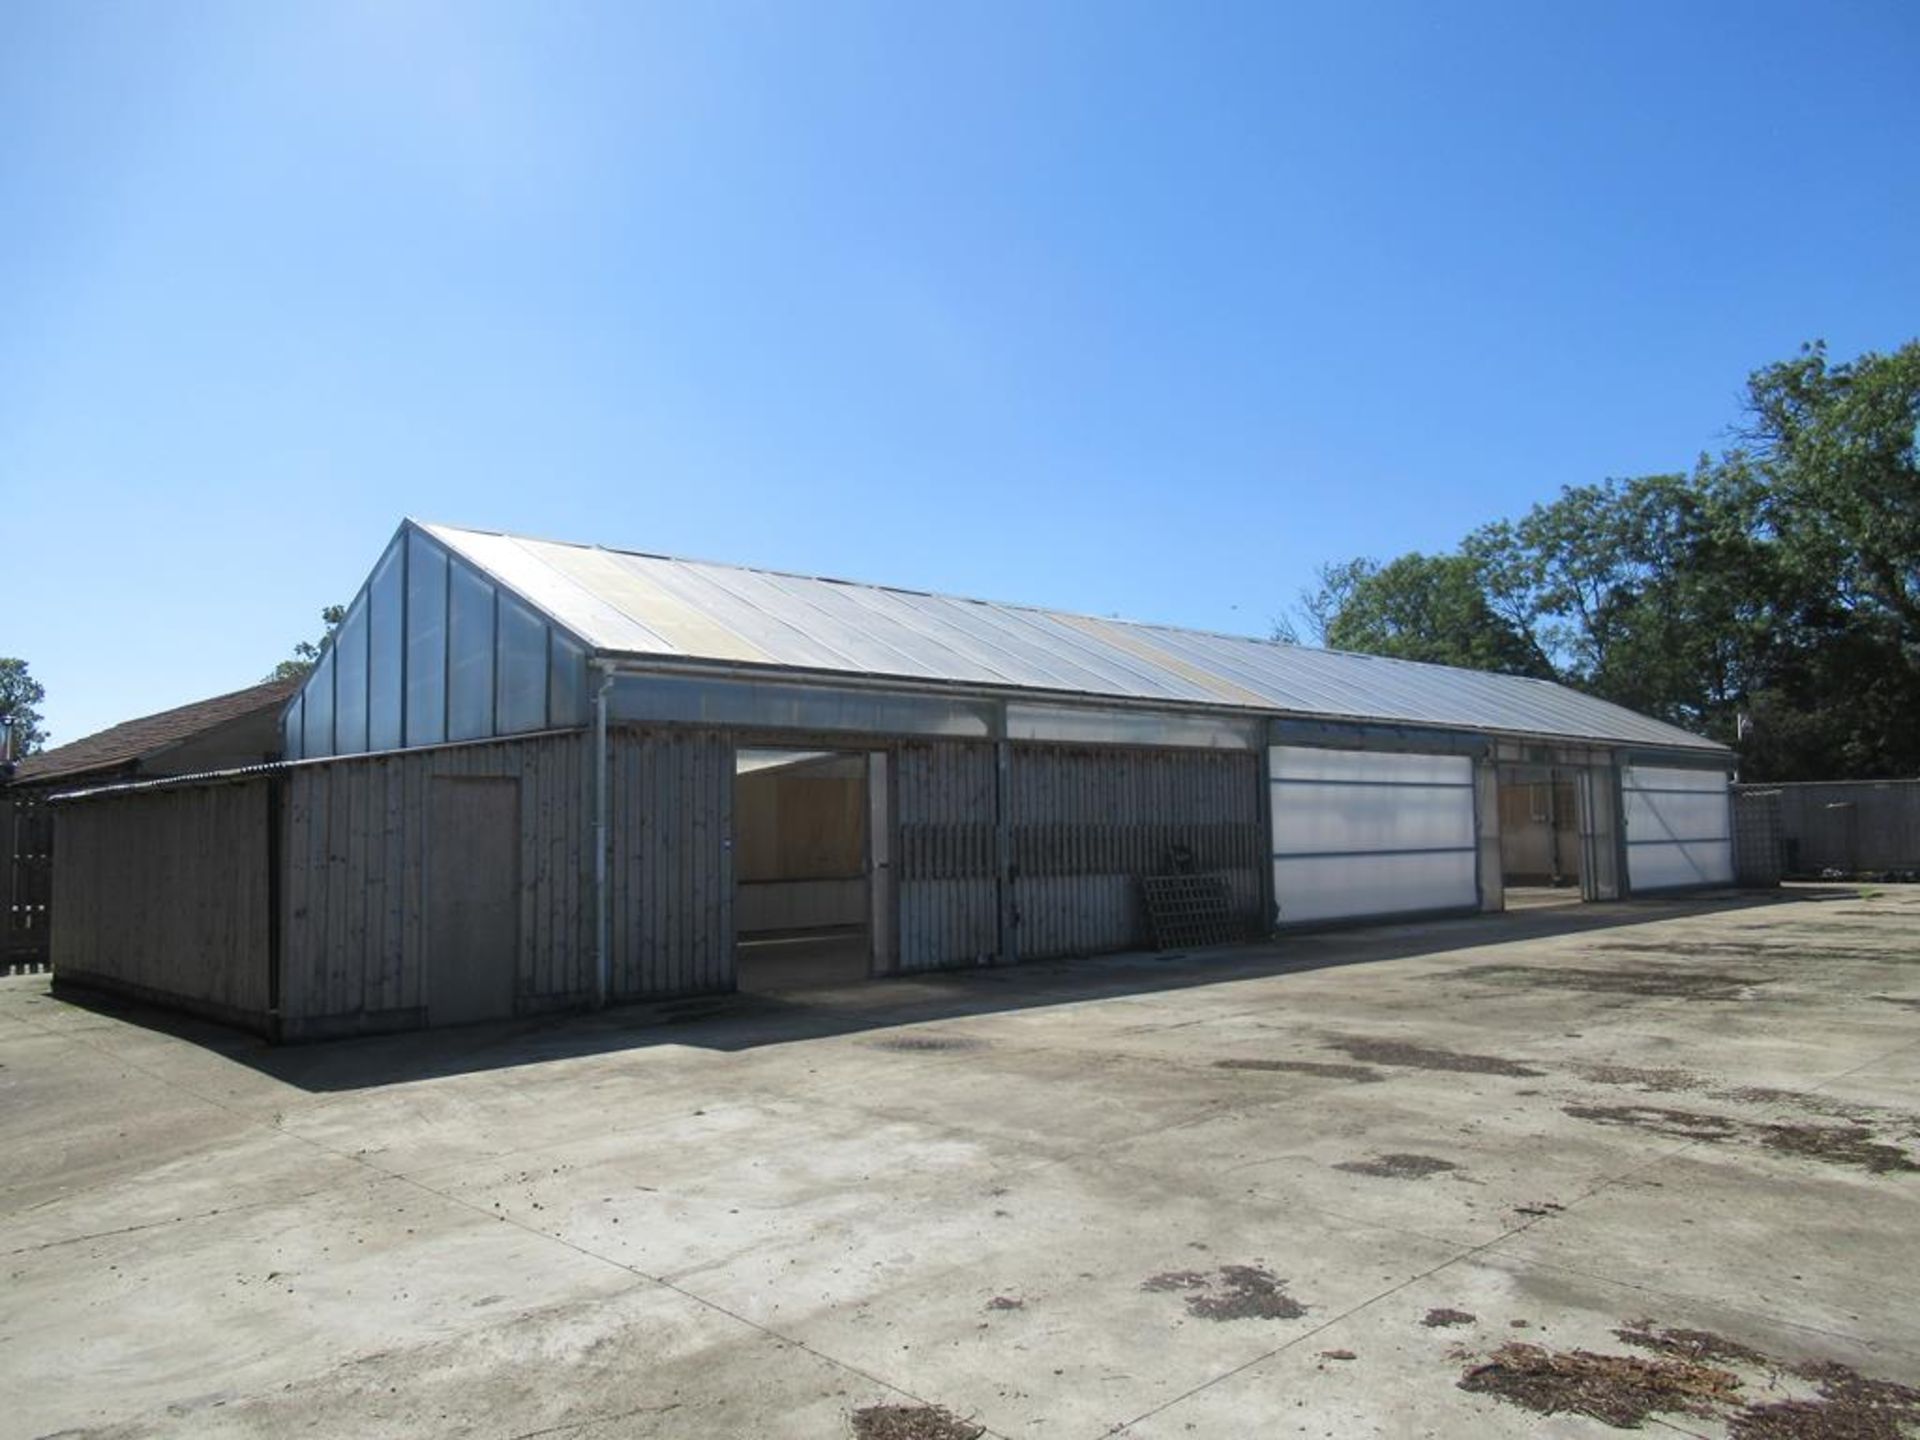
x,y
946,896
1087,823
356,844
1759,838
670,875
1850,825
164,895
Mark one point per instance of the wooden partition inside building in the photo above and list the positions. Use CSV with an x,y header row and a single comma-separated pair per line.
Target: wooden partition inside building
x,y
800,845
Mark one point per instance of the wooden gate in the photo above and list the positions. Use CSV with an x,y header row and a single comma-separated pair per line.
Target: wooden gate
x,y
26,883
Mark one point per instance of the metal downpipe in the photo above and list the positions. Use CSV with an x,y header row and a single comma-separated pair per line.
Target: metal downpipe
x,y
602,928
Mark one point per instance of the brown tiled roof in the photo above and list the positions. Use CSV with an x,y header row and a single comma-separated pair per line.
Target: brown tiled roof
x,y
129,741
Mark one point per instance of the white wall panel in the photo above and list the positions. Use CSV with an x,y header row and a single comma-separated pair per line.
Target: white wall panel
x,y
1312,819
1371,767
1679,827
1671,867
1359,833
1338,887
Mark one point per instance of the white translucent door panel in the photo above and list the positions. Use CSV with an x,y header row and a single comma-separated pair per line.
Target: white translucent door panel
x,y
1679,827
1359,833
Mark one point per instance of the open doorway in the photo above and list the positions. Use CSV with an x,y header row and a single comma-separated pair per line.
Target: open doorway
x,y
804,865
1540,844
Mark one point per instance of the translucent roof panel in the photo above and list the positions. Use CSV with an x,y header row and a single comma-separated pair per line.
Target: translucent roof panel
x,y
626,604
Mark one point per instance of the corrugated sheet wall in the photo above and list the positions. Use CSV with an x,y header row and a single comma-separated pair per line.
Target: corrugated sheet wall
x,y
1850,825
1087,823
1759,837
670,875
946,896
164,895
355,851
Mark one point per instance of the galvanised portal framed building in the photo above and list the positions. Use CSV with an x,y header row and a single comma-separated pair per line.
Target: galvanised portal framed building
x,y
530,775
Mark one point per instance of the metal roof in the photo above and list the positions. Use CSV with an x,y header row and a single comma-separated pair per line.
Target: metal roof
x,y
627,604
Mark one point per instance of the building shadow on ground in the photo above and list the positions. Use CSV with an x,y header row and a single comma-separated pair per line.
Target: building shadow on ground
x,y
745,1021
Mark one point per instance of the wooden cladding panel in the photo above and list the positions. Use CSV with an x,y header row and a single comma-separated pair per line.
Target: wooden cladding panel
x,y
356,853
670,871
947,897
1087,823
164,894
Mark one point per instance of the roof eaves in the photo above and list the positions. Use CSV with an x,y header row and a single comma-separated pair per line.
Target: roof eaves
x,y
764,672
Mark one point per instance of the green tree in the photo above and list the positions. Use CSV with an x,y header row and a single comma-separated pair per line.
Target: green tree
x,y
1657,592
20,697
1426,607
1834,447
1318,605
308,652
1778,584
1837,445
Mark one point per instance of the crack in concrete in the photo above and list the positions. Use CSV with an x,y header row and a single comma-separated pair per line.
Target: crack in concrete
x,y
499,1217
80,1036
239,1207
570,1426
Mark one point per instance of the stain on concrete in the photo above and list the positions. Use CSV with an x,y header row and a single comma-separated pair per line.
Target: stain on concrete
x,y
1399,1167
1441,1317
1421,1057
912,1422
1326,1069
915,1044
1832,1106
1701,1345
1838,1145
1168,1280
1233,1292
580,1343
1653,984
1006,1302
1657,1080
1853,1145
1658,1120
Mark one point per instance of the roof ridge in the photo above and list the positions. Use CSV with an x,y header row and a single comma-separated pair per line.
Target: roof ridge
x,y
1270,640
1298,678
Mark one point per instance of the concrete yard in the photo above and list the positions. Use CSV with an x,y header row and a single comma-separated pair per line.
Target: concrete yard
x,y
1158,1197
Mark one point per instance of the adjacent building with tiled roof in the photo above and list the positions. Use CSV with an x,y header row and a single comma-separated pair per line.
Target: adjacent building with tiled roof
x,y
241,728
222,733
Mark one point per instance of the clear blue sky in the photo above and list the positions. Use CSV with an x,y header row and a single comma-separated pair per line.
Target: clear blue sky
x,y
1135,309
